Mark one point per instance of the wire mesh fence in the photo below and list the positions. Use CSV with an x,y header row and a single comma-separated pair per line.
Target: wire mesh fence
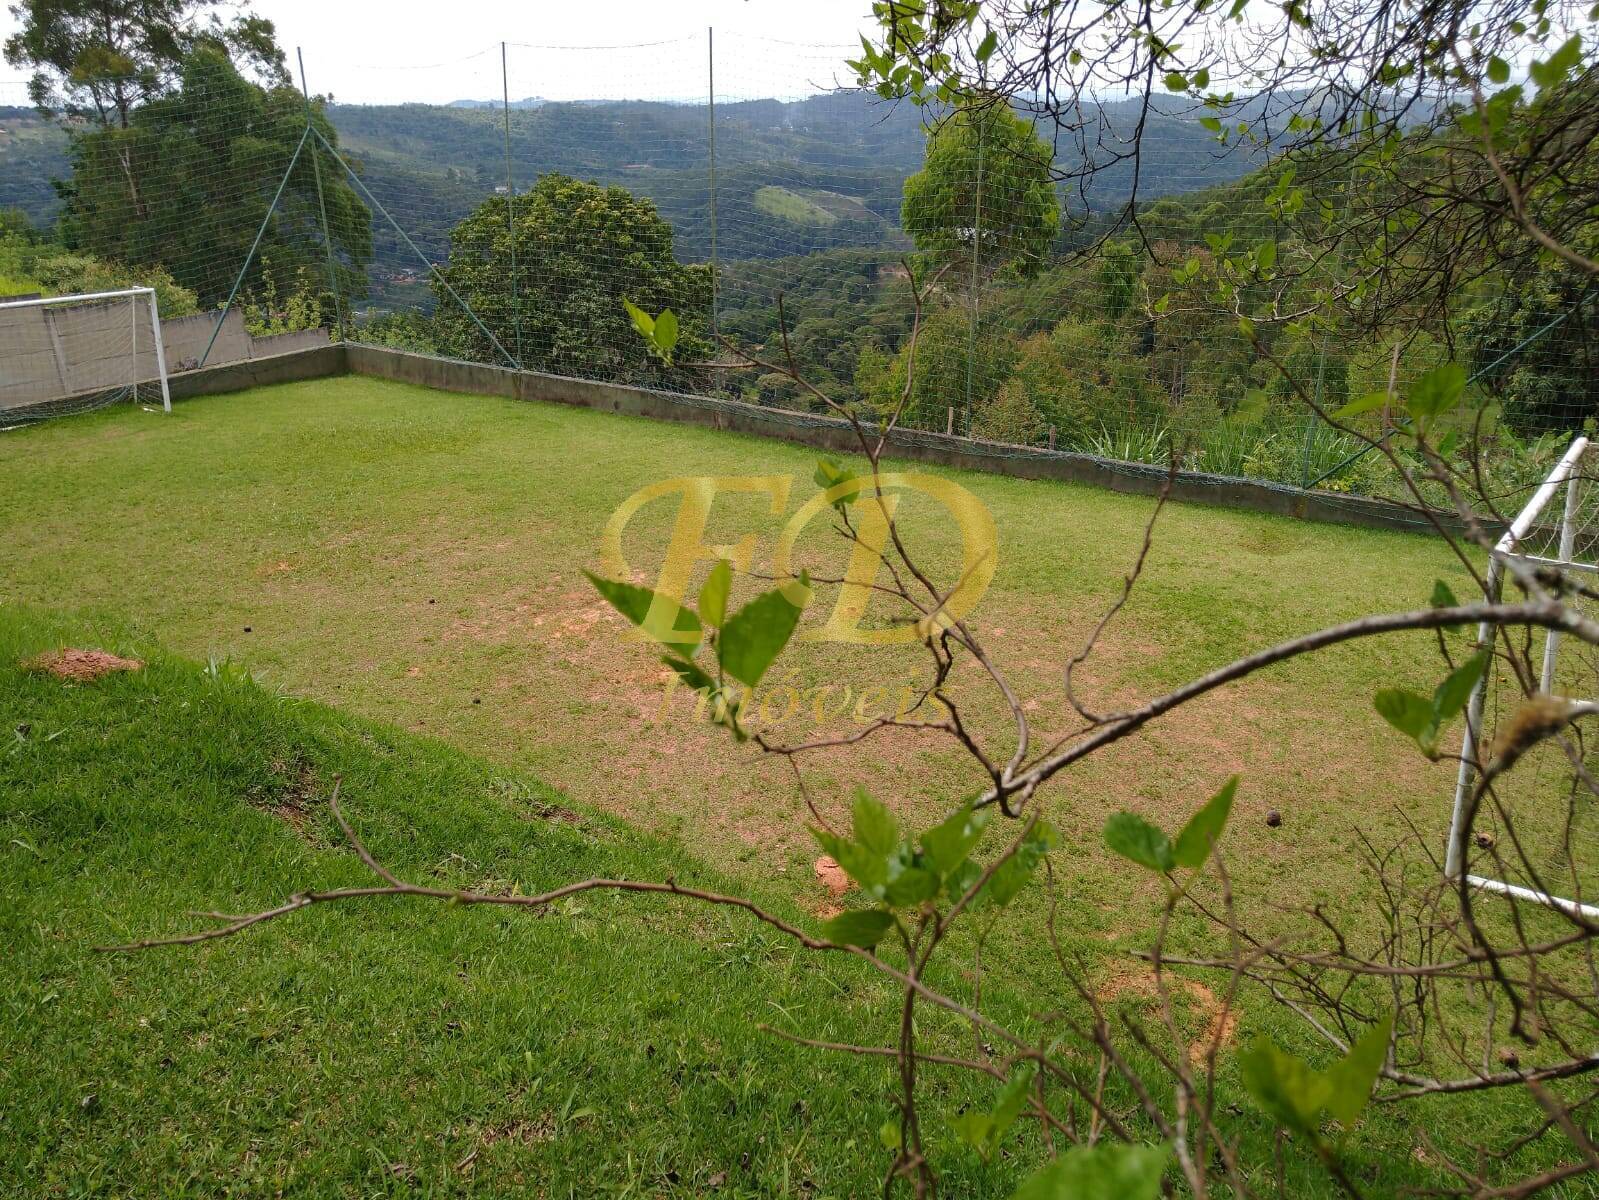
x,y
499,208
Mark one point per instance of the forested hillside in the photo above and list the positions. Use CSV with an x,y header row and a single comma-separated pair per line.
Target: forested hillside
x,y
792,178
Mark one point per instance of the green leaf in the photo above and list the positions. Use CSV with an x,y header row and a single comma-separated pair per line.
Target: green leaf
x,y
1443,596
828,475
754,636
1132,837
1211,123
713,596
1370,402
1437,391
947,844
867,869
1266,255
1284,1088
671,623
1552,71
1006,882
889,1134
1203,831
875,827
1411,714
859,927
910,887
1498,70
982,1131
985,48
666,331
1104,1171
642,321
959,881
1452,694
1176,81
1350,1080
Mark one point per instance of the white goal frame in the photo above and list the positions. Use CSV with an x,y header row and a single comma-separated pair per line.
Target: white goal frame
x,y
133,294
1508,551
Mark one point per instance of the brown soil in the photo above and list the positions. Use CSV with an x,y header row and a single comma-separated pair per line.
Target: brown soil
x,y
80,666
1220,1022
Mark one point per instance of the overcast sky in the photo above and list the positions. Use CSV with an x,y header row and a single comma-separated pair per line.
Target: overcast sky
x,y
383,51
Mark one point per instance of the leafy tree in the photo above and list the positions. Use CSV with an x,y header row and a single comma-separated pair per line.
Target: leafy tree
x,y
986,180
581,250
188,182
100,59
950,365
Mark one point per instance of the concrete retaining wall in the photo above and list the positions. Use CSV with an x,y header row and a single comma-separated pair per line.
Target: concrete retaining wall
x,y
831,433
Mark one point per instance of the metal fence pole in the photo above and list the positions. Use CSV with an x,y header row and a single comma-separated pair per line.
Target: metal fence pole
x,y
322,205
977,242
710,93
510,202
255,245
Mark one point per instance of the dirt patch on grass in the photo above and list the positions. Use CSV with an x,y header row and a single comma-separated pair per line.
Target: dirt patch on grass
x,y
291,796
1218,1023
80,666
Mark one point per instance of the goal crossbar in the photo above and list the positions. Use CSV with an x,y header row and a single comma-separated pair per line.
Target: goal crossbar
x,y
133,295
1508,550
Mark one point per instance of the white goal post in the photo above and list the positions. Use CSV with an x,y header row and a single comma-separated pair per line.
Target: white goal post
x,y
97,363
1513,548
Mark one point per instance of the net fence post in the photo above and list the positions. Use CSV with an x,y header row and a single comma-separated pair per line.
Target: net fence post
x,y
510,202
255,245
322,205
710,96
976,315
1455,852
160,351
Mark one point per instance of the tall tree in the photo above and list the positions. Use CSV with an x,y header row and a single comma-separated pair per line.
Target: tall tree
x,y
581,250
99,59
188,183
985,186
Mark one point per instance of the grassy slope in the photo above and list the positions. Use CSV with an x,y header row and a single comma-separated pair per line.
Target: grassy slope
x,y
609,1041
327,517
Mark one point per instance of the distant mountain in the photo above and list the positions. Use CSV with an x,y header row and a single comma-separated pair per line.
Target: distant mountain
x,y
527,102
792,178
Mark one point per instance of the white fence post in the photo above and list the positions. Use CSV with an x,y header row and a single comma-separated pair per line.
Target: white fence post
x,y
160,352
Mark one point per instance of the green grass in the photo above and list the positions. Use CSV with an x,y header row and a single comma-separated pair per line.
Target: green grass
x,y
413,558
608,1047
790,206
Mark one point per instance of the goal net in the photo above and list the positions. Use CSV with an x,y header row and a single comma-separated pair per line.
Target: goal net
x,y
63,354
1535,836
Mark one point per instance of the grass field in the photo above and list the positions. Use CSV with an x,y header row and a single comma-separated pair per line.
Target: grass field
x,y
413,558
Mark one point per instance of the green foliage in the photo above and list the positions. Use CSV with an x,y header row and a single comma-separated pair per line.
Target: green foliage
x,y
983,1130
587,257
1104,1171
98,60
30,265
187,182
1010,218
1136,839
754,636
1296,1096
1421,718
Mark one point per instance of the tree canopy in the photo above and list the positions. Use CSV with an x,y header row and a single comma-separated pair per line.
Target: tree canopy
x,y
99,59
581,250
189,181
986,182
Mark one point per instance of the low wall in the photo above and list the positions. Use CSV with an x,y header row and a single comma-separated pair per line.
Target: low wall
x,y
833,433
